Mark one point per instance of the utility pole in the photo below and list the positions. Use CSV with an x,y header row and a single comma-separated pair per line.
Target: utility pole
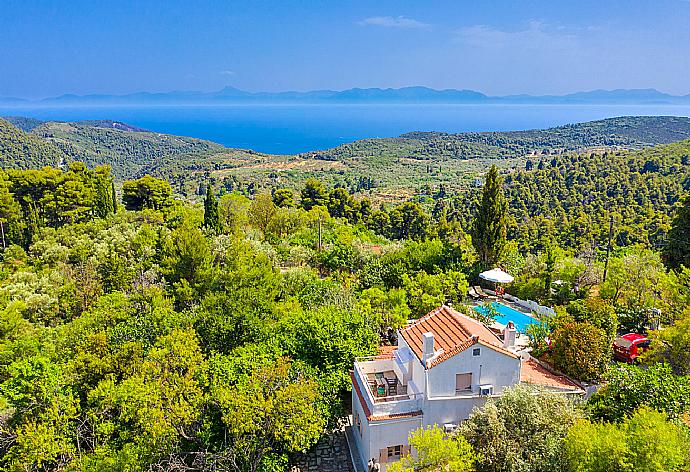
x,y
608,247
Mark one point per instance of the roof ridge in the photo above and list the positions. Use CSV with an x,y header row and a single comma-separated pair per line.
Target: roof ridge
x,y
455,330
433,312
469,318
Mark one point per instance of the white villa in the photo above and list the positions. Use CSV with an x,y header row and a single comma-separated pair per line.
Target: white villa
x,y
445,364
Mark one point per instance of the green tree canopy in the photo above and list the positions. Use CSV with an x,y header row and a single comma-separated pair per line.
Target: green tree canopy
x,y
580,350
644,441
628,388
211,213
313,194
522,431
489,227
434,452
678,249
274,408
146,192
408,221
284,197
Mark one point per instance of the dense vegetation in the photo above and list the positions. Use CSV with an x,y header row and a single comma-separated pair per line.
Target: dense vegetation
x,y
23,123
572,197
626,131
127,150
142,331
22,150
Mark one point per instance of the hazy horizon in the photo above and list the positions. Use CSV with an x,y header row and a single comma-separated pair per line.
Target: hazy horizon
x,y
51,48
182,91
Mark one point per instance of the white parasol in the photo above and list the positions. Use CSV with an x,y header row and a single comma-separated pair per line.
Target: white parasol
x,y
497,276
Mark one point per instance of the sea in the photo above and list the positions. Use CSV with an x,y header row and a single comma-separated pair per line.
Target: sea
x,y
292,129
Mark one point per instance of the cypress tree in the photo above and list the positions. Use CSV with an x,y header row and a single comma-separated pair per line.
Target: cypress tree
x,y
104,201
489,227
113,193
103,183
211,216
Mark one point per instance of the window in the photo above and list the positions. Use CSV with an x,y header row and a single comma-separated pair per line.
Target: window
x,y
463,382
357,422
394,451
476,352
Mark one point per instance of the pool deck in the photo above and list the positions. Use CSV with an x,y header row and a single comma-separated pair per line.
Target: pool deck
x,y
521,340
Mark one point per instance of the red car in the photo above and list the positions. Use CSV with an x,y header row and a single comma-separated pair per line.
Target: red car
x,y
629,347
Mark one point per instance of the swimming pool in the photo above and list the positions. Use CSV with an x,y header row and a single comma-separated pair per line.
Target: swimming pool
x,y
506,313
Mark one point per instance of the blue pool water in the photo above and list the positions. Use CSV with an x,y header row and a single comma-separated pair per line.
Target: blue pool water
x,y
506,313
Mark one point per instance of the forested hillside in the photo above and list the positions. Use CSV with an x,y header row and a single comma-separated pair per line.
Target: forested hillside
x,y
126,149
23,123
627,131
22,150
572,196
395,168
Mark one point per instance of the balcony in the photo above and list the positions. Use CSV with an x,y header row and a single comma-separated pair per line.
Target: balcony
x,y
385,387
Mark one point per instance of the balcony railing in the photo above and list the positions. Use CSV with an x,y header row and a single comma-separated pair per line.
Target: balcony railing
x,y
407,402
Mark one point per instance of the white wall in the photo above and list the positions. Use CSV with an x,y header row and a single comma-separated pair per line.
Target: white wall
x,y
362,437
450,410
375,436
390,433
490,367
417,378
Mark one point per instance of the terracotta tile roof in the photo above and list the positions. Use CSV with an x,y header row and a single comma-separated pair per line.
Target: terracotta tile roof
x,y
385,352
453,333
367,410
532,372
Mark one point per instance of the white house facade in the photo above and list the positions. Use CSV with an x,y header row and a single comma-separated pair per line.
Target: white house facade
x,y
444,366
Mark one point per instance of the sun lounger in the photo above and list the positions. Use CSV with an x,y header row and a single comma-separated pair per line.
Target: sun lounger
x,y
480,292
472,293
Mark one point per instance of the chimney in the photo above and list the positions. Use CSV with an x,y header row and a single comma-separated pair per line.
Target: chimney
x,y
509,335
427,346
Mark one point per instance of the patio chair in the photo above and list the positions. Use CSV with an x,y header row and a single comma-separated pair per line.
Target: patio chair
x,y
473,293
392,386
480,292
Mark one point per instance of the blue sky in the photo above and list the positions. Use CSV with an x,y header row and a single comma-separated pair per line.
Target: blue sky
x,y
498,47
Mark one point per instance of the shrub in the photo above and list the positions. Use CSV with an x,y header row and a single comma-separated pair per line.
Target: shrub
x,y
580,350
520,431
646,441
630,387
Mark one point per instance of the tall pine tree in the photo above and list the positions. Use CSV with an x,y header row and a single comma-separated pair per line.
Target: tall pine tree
x,y
677,251
9,209
211,216
489,228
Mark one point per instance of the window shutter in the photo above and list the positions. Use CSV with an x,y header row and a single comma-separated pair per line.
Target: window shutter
x,y
463,382
383,455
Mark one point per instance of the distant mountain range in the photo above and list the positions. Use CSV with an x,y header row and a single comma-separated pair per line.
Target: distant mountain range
x,y
411,95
